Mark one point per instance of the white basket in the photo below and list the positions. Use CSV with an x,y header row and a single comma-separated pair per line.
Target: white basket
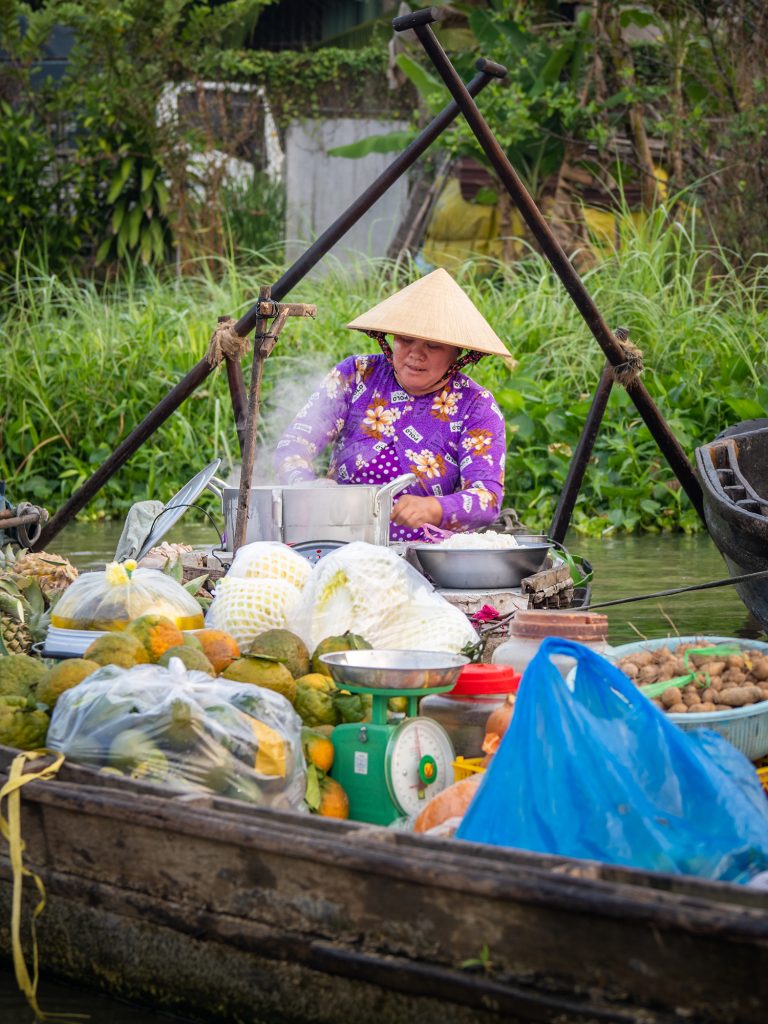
x,y
69,643
746,728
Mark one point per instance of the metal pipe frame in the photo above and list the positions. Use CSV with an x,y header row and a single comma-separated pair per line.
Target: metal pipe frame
x,y
581,456
419,22
487,72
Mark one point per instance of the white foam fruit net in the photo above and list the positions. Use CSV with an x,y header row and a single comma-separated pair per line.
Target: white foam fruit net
x,y
246,607
432,627
373,592
270,560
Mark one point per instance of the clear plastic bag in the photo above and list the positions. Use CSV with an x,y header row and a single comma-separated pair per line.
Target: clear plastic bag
x,y
109,599
373,592
185,731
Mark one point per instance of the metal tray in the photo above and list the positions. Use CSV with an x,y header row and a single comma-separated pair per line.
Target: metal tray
x,y
394,670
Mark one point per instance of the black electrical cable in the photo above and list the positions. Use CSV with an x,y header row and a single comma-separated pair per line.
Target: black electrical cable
x,y
762,574
201,509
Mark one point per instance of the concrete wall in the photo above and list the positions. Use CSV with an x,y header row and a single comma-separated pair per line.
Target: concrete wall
x,y
319,188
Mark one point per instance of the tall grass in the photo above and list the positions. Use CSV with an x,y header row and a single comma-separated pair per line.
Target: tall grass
x,y
84,363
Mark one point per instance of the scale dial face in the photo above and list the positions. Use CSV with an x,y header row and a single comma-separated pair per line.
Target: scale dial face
x,y
418,763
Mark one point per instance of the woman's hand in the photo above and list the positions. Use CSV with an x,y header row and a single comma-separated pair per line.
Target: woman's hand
x,y
413,511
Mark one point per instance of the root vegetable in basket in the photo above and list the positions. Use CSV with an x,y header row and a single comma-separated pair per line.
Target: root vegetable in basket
x,y
700,682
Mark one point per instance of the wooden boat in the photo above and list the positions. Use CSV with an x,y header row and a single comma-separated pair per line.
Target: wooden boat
x,y
222,911
734,477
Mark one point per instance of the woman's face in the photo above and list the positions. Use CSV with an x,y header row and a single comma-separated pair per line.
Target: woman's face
x,y
420,366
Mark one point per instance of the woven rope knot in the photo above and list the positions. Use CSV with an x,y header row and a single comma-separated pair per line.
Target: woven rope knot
x,y
225,343
626,373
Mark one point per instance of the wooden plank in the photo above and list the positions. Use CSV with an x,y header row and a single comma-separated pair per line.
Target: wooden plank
x,y
257,880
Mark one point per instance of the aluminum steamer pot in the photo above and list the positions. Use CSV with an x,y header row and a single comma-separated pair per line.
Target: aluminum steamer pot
x,y
301,512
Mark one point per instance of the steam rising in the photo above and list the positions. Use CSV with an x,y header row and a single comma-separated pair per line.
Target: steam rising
x,y
291,381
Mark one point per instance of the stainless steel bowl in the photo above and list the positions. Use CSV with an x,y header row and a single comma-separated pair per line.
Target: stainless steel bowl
x,y
394,670
482,568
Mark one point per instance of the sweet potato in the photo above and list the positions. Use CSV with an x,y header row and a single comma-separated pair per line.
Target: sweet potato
x,y
706,706
668,670
739,696
671,696
642,658
715,668
678,709
647,674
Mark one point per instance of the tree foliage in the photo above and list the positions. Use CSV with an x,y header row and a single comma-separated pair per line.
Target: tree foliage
x,y
119,154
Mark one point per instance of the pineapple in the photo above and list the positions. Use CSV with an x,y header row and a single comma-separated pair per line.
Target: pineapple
x,y
24,616
30,584
15,637
53,572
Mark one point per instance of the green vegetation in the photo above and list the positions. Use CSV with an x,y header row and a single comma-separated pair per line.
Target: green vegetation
x,y
104,173
94,182
83,365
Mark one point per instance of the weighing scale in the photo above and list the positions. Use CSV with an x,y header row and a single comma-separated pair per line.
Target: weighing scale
x,y
390,770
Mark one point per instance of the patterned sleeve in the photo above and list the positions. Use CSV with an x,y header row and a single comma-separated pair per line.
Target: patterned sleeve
x,y
482,453
316,426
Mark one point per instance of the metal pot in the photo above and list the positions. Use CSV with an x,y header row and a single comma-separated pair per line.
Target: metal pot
x,y
300,512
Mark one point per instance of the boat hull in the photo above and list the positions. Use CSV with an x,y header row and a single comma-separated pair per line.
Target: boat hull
x,y
229,913
733,470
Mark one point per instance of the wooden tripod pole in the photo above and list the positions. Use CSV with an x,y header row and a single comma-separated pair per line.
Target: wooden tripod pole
x,y
263,343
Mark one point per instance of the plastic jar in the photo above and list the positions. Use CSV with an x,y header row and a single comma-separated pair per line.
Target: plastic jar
x,y
463,711
529,628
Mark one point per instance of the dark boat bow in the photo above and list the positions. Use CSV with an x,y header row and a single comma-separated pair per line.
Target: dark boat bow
x,y
734,476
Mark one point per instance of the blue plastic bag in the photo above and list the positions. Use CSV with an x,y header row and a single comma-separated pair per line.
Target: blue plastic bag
x,y
593,769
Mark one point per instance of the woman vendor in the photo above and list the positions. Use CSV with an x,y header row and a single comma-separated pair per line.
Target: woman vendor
x,y
411,410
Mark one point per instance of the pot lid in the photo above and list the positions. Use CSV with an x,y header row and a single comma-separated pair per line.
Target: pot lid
x,y
177,506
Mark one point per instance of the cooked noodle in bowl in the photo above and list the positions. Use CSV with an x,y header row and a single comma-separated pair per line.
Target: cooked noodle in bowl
x,y
484,541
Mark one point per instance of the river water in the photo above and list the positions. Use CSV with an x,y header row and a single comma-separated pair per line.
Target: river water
x,y
624,566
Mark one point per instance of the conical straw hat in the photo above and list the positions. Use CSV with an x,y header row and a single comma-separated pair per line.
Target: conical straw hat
x,y
436,309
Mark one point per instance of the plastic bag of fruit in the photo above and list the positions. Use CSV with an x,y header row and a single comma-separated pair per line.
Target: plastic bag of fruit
x,y
113,597
185,731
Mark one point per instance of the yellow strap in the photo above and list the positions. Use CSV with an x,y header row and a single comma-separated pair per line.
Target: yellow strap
x,y
10,829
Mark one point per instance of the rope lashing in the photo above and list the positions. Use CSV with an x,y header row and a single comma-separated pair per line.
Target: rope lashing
x,y
10,830
626,373
225,343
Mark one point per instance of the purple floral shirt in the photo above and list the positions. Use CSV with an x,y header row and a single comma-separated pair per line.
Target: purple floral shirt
x,y
453,440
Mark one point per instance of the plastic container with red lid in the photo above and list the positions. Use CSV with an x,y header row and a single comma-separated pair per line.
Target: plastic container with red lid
x,y
486,679
464,711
